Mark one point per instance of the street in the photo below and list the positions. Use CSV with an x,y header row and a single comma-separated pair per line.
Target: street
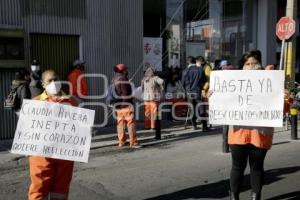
x,y
189,167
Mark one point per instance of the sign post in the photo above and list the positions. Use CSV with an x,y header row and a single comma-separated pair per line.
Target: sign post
x,y
285,28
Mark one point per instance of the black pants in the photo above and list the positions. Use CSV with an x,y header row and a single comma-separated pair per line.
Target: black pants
x,y
240,155
198,109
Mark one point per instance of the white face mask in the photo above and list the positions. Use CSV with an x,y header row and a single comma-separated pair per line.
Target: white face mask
x,y
35,68
53,88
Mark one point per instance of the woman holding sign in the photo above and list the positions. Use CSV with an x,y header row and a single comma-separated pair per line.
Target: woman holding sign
x,y
249,143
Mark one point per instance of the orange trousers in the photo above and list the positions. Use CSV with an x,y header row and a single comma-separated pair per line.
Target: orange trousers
x,y
151,108
125,117
50,178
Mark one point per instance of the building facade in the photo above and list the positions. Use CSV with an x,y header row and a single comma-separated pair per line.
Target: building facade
x,y
217,29
106,32
103,33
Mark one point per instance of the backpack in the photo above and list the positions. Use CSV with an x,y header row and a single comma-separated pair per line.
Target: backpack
x,y
12,101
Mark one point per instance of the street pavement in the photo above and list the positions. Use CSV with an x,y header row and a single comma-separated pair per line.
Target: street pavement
x,y
185,164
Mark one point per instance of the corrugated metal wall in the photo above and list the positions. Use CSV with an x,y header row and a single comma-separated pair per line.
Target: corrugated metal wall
x,y
55,51
111,31
8,118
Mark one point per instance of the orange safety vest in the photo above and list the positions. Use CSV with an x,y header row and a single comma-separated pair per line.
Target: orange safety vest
x,y
260,137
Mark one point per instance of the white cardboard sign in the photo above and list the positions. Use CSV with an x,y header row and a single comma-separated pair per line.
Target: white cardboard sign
x,y
247,97
53,130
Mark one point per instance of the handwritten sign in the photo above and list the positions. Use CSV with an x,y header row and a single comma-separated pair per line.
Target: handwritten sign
x,y
247,97
53,130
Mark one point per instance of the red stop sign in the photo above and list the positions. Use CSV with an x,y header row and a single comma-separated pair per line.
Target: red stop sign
x,y
285,28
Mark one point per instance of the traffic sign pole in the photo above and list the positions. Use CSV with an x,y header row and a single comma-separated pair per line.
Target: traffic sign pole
x,y
282,55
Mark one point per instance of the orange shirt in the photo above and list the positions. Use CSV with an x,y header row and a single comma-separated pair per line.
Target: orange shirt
x,y
260,137
73,79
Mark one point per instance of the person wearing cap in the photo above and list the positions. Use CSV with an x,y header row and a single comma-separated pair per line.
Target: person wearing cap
x,y
124,106
35,85
224,65
78,83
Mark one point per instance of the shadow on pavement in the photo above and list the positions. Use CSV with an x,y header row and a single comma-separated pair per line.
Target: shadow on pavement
x,y
287,196
221,189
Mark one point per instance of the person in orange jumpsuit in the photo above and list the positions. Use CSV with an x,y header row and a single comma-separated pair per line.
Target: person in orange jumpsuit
x,y
79,88
124,106
50,178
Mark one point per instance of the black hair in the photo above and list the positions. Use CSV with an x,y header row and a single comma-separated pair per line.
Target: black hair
x,y
20,74
251,54
191,60
217,64
200,58
35,62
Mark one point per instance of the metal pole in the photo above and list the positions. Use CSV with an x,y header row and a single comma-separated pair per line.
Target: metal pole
x,y
294,123
157,126
290,59
225,144
282,56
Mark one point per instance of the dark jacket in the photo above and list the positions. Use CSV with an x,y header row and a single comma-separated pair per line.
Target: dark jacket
x,y
193,80
23,91
36,88
35,85
123,89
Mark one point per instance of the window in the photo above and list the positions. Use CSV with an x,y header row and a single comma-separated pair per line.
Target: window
x,y
11,48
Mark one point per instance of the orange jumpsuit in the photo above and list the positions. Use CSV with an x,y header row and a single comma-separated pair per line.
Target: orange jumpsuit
x,y
50,178
77,89
125,116
150,113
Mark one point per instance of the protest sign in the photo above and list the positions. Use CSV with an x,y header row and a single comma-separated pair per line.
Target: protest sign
x,y
53,130
247,97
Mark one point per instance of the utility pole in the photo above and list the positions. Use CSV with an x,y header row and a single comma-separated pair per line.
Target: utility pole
x,y
290,50
290,55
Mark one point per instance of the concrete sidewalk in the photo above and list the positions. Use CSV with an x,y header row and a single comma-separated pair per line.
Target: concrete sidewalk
x,y
107,137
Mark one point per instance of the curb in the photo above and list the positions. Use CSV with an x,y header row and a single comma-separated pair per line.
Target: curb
x,y
147,139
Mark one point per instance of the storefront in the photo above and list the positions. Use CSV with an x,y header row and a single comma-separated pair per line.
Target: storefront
x,y
215,29
219,29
